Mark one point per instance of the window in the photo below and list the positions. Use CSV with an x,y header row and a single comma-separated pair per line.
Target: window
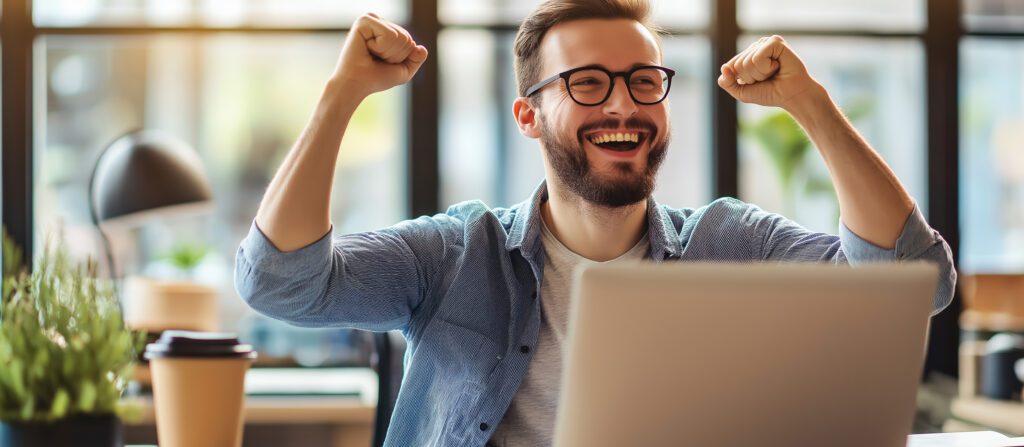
x,y
261,13
878,15
240,99
676,13
994,15
241,95
992,155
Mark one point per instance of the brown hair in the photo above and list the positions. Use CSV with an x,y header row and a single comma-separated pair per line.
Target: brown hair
x,y
553,12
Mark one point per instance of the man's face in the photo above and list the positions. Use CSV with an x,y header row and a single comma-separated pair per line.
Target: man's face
x,y
611,175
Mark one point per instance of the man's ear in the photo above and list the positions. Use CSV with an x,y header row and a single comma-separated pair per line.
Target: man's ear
x,y
526,117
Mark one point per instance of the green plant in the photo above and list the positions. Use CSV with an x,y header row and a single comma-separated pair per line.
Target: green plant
x,y
63,343
187,256
12,264
787,147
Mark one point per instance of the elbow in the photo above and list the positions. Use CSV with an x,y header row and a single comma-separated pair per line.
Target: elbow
x,y
295,301
946,287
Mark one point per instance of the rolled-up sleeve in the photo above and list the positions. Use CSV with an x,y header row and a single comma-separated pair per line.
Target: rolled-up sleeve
x,y
917,242
784,240
370,281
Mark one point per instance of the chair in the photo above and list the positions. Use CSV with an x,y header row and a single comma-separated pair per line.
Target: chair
x,y
389,350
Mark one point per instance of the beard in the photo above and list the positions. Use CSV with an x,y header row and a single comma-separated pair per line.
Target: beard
x,y
626,185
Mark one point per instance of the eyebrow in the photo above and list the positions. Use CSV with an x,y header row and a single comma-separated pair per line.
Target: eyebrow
x,y
638,64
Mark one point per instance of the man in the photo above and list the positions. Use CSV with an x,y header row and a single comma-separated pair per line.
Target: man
x,y
481,294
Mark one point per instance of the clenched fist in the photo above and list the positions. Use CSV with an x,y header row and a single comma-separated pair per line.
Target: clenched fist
x,y
768,73
378,55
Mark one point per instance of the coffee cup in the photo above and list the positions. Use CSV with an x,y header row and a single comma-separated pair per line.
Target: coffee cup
x,y
199,388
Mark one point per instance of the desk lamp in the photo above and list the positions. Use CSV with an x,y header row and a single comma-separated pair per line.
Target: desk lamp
x,y
142,175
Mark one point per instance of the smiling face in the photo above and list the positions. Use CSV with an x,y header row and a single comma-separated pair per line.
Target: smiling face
x,y
606,154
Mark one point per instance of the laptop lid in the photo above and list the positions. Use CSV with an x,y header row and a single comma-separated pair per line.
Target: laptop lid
x,y
744,354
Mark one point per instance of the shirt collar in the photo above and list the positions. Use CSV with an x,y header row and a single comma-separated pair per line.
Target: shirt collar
x,y
526,228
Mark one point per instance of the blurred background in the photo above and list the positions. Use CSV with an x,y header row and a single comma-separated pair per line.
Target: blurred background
x,y
937,87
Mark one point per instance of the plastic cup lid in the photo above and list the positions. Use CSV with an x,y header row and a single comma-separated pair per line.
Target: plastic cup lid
x,y
198,344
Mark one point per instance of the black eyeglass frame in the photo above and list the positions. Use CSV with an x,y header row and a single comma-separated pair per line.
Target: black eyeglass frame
x,y
625,75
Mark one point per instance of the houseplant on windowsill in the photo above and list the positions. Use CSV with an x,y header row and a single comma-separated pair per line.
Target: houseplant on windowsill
x,y
66,353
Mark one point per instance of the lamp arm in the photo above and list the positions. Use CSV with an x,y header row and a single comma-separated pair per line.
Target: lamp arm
x,y
96,219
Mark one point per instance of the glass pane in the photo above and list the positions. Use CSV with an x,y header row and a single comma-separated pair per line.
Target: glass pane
x,y
672,14
992,156
882,15
241,101
994,15
879,84
471,116
483,155
685,178
272,13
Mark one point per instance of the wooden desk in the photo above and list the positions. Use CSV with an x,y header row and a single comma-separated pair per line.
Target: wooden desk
x,y
340,411
1003,416
276,421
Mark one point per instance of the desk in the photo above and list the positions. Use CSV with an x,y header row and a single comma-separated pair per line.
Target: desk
x,y
967,439
1004,416
293,406
276,421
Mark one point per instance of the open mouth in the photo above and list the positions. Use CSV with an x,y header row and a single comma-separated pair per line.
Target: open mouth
x,y
617,141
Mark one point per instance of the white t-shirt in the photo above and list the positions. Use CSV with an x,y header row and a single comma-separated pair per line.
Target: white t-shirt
x,y
530,420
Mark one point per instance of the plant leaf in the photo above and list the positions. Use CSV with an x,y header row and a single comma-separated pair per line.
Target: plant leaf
x,y
59,407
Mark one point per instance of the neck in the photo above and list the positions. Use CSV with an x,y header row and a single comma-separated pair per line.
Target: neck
x,y
595,232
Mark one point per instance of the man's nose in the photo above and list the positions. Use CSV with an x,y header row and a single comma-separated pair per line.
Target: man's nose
x,y
620,103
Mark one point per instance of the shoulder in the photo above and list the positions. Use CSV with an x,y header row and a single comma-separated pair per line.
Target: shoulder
x,y
725,225
723,213
474,213
459,219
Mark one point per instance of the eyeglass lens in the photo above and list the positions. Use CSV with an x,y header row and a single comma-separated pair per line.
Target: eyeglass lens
x,y
591,87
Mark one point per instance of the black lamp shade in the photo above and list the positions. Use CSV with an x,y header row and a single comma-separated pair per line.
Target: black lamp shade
x,y
144,171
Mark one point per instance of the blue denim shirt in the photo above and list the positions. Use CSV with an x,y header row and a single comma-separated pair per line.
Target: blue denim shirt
x,y
462,287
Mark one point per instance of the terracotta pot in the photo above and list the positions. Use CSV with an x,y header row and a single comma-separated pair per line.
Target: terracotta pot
x,y
156,306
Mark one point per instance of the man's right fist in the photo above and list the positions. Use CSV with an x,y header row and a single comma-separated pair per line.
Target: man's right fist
x,y
378,55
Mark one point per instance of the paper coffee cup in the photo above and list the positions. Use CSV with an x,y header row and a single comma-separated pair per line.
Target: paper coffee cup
x,y
198,388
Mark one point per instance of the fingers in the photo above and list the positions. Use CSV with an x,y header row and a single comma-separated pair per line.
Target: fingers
x,y
416,58
759,62
741,65
765,59
386,41
728,78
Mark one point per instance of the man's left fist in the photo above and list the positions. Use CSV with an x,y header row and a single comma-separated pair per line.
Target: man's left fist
x,y
768,73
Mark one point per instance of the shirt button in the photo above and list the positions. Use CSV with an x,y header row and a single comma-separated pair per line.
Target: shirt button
x,y
483,426
533,295
524,349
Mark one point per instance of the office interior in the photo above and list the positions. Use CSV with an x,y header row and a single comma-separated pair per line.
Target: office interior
x,y
936,86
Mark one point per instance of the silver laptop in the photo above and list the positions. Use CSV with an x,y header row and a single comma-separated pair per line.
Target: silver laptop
x,y
744,354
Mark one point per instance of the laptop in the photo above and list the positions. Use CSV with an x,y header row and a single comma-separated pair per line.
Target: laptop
x,y
689,354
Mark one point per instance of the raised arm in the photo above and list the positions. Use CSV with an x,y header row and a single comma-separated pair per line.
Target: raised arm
x,y
296,209
872,201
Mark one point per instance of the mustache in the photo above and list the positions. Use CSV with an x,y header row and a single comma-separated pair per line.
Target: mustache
x,y
612,123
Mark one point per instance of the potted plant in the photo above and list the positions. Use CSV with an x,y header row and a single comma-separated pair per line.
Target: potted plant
x,y
185,257
172,300
66,353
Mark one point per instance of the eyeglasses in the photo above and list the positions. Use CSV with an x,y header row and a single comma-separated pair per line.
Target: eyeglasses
x,y
592,85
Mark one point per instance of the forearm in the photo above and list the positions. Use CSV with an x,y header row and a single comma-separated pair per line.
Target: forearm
x,y
872,201
295,210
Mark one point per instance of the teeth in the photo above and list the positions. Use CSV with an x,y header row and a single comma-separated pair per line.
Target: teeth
x,y
619,137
